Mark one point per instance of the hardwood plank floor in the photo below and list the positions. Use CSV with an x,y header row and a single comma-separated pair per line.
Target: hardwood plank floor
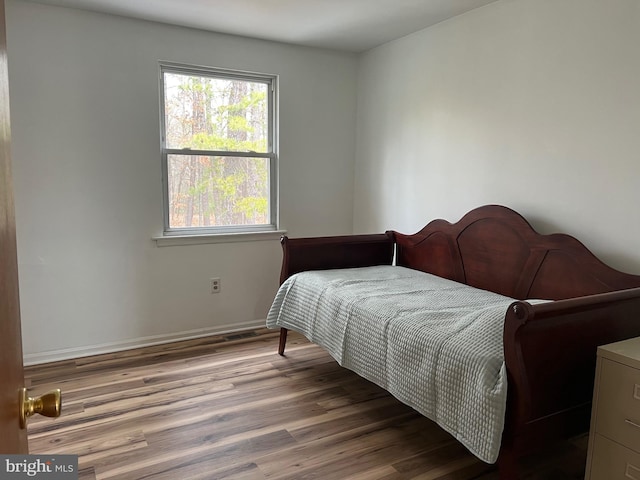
x,y
228,407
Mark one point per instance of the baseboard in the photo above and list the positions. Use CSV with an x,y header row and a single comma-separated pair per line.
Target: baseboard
x,y
71,353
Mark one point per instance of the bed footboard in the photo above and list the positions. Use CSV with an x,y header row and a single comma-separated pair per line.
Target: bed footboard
x,y
550,354
326,253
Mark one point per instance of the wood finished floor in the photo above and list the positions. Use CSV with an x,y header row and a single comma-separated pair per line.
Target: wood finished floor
x,y
231,408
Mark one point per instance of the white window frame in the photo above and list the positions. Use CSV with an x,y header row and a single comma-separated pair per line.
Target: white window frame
x,y
272,150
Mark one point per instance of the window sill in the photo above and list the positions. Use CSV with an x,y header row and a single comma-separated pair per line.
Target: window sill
x,y
175,240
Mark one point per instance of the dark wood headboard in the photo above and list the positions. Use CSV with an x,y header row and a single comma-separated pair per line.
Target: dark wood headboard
x,y
495,248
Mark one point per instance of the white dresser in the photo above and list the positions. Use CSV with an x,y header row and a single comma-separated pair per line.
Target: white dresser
x,y
614,439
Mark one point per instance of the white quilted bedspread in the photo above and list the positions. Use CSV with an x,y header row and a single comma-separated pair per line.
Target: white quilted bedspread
x,y
434,344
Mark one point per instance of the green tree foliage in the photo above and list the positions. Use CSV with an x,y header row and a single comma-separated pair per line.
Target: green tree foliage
x,y
221,115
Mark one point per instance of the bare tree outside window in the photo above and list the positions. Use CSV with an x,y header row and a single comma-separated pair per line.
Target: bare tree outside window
x,y
218,149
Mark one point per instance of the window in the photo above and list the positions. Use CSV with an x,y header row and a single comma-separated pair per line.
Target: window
x,y
219,154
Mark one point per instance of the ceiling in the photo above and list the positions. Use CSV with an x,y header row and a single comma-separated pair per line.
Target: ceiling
x,y
349,25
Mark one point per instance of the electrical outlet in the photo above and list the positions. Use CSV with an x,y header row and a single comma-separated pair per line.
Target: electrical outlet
x,y
214,285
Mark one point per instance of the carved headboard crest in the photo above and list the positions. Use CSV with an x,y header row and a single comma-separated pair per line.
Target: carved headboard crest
x,y
495,248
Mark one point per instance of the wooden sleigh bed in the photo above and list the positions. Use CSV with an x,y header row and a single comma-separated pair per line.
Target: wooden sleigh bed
x,y
549,348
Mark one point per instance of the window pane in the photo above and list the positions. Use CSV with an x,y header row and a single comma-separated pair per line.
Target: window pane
x,y
206,191
206,113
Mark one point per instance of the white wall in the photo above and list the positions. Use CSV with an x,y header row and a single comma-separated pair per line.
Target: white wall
x,y
534,104
84,101
529,103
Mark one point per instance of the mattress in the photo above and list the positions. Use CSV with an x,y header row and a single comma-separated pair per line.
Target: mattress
x,y
433,343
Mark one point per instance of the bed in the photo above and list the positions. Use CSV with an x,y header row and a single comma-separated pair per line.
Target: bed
x,y
534,308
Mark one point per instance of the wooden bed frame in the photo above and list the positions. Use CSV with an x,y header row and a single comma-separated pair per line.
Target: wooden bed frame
x,y
549,348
